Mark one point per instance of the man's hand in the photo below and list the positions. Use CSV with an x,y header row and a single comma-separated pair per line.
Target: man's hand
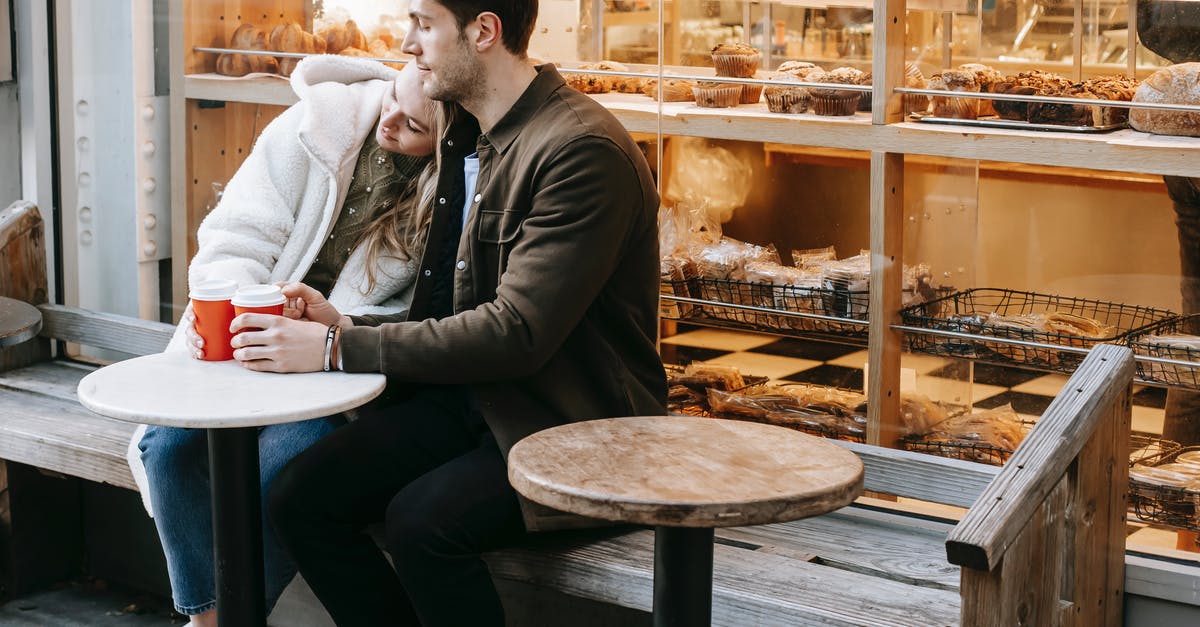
x,y
278,344
306,303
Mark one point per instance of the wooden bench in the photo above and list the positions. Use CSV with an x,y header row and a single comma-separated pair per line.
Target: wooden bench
x,y
1042,542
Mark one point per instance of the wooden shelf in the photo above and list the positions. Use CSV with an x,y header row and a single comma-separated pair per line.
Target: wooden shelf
x,y
1117,151
270,90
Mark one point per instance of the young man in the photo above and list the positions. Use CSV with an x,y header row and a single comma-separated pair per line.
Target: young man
x,y
536,305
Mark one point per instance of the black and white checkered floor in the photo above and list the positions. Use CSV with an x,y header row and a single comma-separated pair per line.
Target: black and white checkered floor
x,y
955,381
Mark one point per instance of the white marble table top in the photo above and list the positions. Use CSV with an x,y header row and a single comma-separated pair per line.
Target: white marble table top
x,y
175,390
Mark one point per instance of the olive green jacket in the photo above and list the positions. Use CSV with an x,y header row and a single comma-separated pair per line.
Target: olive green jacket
x,y
556,286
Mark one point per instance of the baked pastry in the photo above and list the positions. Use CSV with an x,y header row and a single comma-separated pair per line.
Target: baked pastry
x,y
338,37
913,78
1104,88
828,101
1178,84
950,107
247,37
985,76
290,37
751,93
622,84
673,89
737,60
588,83
1032,83
784,98
715,95
864,97
802,70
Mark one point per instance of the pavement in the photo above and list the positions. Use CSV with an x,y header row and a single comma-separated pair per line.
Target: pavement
x,y
88,603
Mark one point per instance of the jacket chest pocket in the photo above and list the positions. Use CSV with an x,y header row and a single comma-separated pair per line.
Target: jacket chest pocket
x,y
496,232
498,227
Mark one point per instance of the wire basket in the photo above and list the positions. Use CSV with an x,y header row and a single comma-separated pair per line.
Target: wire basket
x,y
1150,450
965,311
1168,373
1166,505
959,449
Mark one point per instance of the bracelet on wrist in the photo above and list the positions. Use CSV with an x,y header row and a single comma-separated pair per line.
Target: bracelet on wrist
x,y
330,333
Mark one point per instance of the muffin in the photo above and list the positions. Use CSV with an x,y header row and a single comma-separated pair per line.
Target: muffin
x,y
802,70
986,76
913,78
864,97
786,98
1031,83
948,107
751,94
736,60
673,89
715,95
828,101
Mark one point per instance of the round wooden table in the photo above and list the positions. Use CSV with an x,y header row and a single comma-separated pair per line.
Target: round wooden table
x,y
175,390
684,475
19,321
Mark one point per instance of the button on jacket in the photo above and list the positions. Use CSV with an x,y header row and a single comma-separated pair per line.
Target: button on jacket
x,y
557,293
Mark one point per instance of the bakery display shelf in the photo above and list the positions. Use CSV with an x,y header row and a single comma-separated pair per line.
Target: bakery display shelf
x,y
1171,505
1176,365
999,122
960,325
268,89
1123,150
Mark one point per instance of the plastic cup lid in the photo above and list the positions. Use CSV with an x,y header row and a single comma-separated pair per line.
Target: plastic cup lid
x,y
258,296
214,289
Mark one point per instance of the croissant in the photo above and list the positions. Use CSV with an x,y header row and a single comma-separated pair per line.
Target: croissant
x,y
338,37
291,38
246,37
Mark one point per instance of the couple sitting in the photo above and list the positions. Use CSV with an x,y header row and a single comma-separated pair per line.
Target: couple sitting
x,y
505,284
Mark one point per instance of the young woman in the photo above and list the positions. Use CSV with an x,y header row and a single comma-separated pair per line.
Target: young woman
x,y
337,193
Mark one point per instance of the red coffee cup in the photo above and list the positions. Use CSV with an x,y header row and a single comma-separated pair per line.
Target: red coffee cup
x,y
212,308
264,299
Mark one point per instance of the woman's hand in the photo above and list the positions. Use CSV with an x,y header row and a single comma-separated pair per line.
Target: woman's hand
x,y
306,303
193,341
277,344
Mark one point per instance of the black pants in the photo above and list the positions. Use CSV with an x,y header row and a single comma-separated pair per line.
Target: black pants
x,y
428,467
1182,420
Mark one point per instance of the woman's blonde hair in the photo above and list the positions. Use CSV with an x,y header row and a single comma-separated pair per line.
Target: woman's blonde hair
x,y
400,232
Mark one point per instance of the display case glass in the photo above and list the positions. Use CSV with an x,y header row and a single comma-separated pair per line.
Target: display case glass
x,y
780,126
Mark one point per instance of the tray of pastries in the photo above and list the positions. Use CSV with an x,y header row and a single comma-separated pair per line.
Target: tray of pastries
x,y
1077,117
1004,319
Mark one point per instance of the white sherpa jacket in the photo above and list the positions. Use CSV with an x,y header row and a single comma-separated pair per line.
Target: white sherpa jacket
x,y
280,206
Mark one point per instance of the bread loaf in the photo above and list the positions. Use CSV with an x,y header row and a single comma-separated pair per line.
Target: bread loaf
x,y
338,37
1178,84
291,38
247,37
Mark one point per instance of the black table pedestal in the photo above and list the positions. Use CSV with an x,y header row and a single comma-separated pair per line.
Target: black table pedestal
x,y
683,566
237,527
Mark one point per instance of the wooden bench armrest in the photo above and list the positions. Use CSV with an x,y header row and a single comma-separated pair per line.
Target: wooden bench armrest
x,y
1040,462
105,330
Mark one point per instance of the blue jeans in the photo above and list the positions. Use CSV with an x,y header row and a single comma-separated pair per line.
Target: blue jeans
x,y
177,468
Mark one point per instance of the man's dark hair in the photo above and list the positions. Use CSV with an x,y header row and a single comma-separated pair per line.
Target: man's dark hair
x,y
517,18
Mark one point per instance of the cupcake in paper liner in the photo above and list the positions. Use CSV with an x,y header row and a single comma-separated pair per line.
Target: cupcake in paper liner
x,y
715,95
802,70
828,101
786,98
864,97
915,103
751,94
959,108
736,60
